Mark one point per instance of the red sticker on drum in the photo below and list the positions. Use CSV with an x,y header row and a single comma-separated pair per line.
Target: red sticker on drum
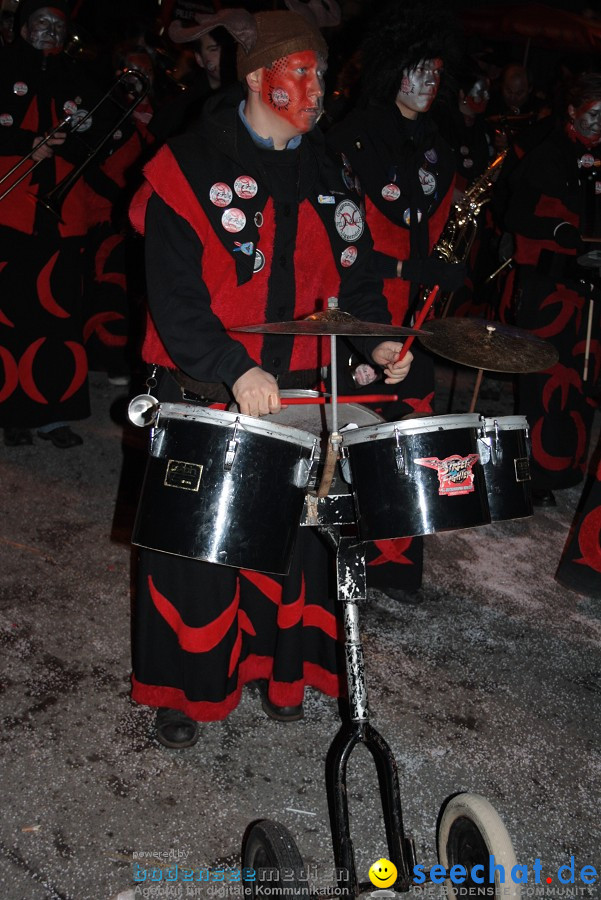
x,y
455,475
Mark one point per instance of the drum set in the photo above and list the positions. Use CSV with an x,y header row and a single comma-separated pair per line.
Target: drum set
x,y
234,490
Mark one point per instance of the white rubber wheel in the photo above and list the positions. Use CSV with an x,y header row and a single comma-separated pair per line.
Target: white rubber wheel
x,y
270,846
470,831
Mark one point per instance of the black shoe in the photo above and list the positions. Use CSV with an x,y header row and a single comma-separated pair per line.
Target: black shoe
x,y
543,498
17,437
278,713
62,437
175,729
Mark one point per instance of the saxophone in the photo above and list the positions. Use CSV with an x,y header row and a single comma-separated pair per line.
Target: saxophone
x,y
457,237
459,232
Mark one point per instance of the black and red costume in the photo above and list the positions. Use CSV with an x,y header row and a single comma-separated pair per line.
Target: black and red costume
x,y
550,187
44,364
238,234
580,565
403,170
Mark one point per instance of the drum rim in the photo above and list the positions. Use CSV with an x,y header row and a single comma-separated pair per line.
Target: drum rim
x,y
269,428
419,425
510,423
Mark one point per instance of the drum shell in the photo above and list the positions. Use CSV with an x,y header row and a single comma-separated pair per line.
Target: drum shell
x,y
397,497
246,516
505,457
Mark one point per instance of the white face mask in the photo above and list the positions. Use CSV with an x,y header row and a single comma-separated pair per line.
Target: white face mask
x,y
419,87
46,29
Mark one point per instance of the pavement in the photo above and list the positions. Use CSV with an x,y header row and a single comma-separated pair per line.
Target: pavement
x,y
488,681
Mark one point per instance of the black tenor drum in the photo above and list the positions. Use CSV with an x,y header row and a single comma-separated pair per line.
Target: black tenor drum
x,y
417,476
223,487
505,456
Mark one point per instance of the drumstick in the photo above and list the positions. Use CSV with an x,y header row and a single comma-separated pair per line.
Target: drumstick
x,y
308,401
419,322
587,348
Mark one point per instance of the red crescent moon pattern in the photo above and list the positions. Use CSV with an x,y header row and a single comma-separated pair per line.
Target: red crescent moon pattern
x,y
392,551
4,320
26,372
11,374
95,324
195,639
104,251
45,291
589,540
81,368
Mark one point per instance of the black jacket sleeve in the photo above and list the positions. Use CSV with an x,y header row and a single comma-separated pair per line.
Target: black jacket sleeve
x,y
180,304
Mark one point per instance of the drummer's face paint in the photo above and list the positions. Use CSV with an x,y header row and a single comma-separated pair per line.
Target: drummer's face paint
x,y
419,87
46,30
587,121
293,88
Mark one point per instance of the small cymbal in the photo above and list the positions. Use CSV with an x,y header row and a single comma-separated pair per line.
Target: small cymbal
x,y
331,321
489,345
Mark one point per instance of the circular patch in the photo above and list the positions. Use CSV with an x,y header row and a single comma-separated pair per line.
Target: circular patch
x,y
407,216
348,221
391,192
117,135
258,219
233,220
259,261
431,155
245,187
348,256
6,119
587,161
20,88
220,194
468,163
81,121
427,181
70,107
464,150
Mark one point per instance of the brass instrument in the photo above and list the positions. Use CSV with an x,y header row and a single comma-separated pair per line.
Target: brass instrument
x,y
76,121
459,232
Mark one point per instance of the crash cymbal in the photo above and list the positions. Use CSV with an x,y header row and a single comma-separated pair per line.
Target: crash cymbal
x,y
489,345
330,321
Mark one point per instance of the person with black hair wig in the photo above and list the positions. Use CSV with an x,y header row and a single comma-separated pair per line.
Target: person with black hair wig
x,y
554,212
404,171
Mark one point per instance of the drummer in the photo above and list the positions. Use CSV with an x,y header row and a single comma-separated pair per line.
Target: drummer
x,y
246,220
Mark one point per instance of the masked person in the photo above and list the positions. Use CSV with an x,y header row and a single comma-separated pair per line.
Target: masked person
x,y
41,341
553,207
404,173
237,230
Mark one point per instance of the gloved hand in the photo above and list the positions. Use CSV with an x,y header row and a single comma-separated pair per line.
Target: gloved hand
x,y
431,271
568,236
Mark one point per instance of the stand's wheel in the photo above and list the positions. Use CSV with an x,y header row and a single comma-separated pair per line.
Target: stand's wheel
x,y
270,850
469,833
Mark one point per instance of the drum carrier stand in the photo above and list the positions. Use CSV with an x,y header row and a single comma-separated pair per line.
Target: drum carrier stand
x,y
469,830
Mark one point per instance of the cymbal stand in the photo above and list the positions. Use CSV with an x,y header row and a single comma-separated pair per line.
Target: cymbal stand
x,y
335,438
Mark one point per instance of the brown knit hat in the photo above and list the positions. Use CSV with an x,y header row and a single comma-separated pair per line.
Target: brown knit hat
x,y
279,34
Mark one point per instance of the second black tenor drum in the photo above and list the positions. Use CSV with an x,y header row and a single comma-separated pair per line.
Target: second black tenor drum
x,y
417,476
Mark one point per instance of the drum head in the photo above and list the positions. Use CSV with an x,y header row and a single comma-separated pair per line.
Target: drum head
x,y
418,425
505,423
266,426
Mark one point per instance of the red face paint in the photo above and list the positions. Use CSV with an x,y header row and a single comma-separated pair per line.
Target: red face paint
x,y
293,88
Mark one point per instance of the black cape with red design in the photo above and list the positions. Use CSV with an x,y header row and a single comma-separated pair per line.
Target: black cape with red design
x,y
553,301
44,364
202,631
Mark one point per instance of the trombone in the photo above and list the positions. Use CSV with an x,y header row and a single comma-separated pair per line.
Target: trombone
x,y
54,199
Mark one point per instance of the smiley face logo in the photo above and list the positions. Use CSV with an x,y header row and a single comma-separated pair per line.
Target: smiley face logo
x,y
383,873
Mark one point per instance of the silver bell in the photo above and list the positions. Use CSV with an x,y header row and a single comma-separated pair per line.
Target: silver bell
x,y
143,410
